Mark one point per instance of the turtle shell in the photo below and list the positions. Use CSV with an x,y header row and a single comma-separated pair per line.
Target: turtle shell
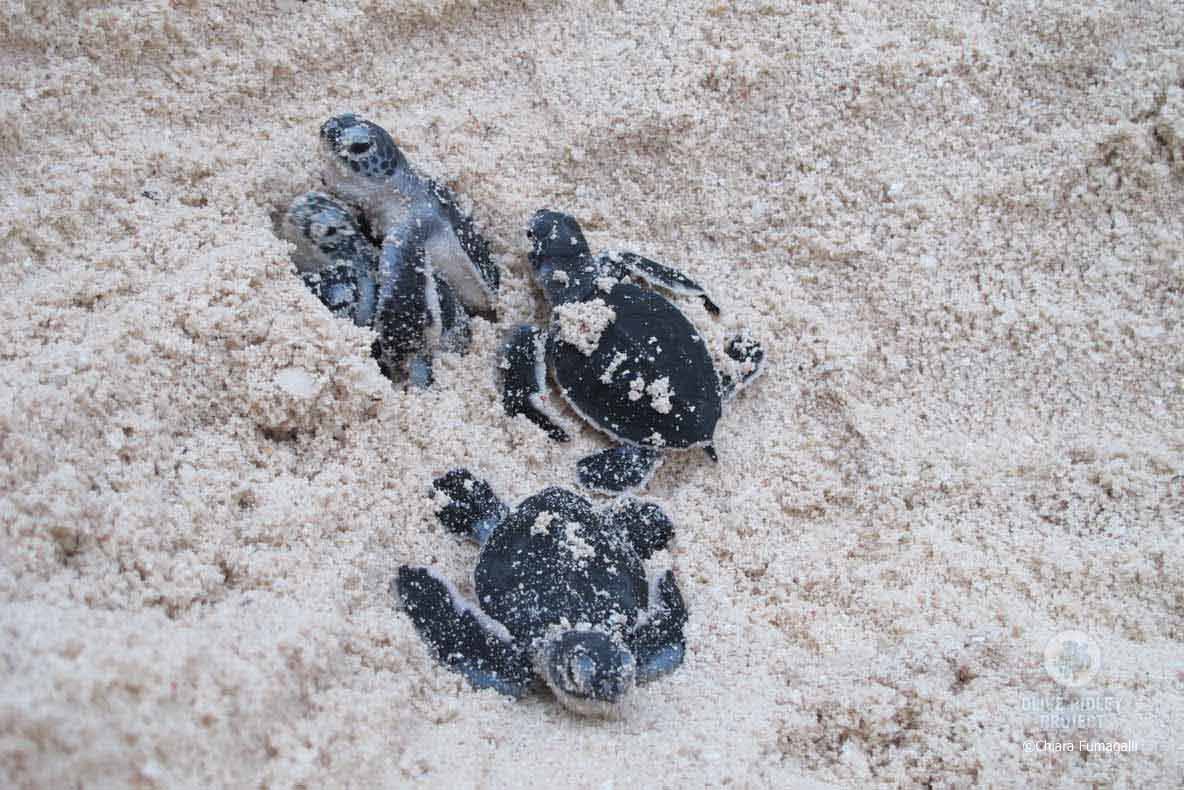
x,y
650,379
554,559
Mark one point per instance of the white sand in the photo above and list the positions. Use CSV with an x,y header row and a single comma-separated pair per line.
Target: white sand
x,y
959,232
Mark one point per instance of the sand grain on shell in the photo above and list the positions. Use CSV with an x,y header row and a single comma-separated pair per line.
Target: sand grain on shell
x,y
955,227
582,323
660,394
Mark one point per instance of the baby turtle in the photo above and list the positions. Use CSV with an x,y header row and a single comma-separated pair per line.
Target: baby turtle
x,y
625,358
334,259
433,268
406,210
561,594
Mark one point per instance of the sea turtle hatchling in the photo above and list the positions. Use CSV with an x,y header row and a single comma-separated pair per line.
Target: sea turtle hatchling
x,y
625,358
426,240
561,594
334,259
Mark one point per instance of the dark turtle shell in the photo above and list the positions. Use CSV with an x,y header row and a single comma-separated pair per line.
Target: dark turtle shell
x,y
650,340
552,559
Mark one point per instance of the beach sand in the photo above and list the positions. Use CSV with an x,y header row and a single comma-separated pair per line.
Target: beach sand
x,y
956,228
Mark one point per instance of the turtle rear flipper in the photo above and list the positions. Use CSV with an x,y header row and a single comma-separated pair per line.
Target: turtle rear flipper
x,y
658,645
472,510
618,469
461,636
648,528
655,273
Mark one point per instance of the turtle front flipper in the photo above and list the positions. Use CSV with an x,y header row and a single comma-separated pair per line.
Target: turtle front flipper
x,y
483,272
523,369
649,529
618,469
657,274
407,311
472,509
658,645
461,636
749,359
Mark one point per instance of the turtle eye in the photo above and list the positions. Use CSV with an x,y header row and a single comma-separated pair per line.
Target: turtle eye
x,y
329,231
530,234
359,148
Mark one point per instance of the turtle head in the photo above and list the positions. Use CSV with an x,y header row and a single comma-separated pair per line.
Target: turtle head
x,y
589,671
359,155
323,230
558,254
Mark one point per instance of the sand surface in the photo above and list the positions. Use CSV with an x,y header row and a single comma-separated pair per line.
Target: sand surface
x,y
956,226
